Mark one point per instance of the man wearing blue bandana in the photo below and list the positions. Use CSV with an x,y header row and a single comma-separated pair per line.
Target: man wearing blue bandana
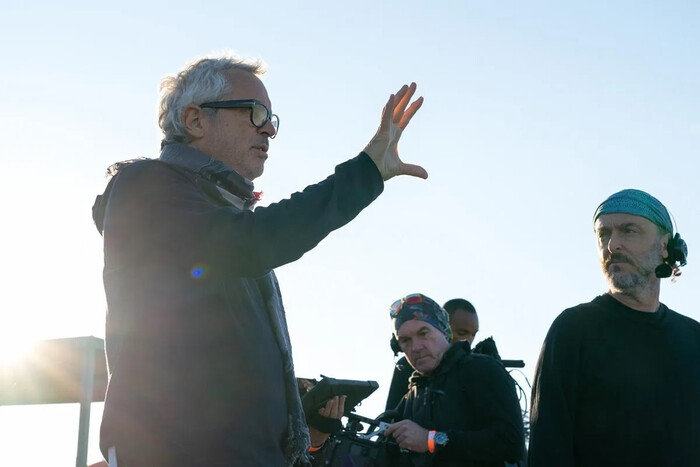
x,y
461,408
618,379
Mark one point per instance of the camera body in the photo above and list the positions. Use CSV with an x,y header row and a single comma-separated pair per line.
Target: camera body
x,y
346,448
351,444
354,446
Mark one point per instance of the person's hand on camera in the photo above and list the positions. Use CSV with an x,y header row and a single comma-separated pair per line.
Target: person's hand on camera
x,y
409,435
334,408
383,148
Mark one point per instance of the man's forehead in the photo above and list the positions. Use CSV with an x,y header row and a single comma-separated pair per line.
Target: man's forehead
x,y
245,85
618,219
464,316
413,326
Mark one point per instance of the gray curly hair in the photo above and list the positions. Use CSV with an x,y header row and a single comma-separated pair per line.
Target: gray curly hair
x,y
200,81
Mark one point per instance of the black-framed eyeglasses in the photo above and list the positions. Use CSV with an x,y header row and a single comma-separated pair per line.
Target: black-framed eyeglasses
x,y
259,114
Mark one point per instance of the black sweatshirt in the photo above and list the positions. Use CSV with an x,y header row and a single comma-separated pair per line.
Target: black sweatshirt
x,y
472,398
617,387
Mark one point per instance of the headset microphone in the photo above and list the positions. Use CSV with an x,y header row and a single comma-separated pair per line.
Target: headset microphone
x,y
663,270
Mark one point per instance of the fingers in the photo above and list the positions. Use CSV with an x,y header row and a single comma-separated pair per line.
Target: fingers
x,y
403,96
383,147
415,171
396,112
325,410
410,112
334,408
341,407
391,429
388,112
409,435
400,432
337,407
396,429
328,408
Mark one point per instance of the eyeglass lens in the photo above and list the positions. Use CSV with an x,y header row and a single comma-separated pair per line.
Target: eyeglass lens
x,y
259,115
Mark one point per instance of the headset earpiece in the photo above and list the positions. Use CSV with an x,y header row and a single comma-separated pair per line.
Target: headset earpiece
x,y
677,251
395,347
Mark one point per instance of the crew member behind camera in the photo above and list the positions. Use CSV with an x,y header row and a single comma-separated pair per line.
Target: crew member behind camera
x,y
461,408
464,323
617,381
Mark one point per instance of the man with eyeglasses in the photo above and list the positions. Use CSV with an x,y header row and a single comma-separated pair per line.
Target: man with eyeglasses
x,y
461,408
199,355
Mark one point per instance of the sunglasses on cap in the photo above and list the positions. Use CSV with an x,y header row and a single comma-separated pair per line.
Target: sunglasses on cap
x,y
259,114
412,299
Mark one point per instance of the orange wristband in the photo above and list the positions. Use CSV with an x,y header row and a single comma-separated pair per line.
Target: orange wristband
x,y
317,448
431,441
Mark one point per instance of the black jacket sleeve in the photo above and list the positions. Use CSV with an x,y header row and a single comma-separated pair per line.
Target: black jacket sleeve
x,y
554,397
174,217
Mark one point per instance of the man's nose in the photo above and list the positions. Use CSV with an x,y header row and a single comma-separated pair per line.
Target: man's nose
x,y
614,243
416,345
268,129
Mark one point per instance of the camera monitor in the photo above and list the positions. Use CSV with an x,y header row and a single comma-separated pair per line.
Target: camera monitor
x,y
320,392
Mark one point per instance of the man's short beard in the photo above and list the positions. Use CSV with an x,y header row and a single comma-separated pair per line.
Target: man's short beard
x,y
628,282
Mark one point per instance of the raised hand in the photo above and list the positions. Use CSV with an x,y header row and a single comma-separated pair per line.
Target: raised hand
x,y
383,148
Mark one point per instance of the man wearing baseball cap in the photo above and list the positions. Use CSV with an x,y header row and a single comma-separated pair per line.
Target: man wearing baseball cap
x,y
618,379
461,408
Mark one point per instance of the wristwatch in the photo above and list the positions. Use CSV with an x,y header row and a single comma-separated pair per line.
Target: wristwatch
x,y
441,440
437,440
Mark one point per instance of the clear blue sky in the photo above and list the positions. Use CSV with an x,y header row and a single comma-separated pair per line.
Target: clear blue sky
x,y
534,112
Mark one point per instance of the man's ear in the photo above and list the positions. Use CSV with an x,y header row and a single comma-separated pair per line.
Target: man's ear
x,y
664,245
194,121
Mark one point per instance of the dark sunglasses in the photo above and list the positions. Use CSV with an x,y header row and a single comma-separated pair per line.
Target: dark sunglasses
x,y
412,299
259,114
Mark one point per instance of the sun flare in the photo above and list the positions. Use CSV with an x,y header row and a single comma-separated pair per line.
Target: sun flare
x,y
14,348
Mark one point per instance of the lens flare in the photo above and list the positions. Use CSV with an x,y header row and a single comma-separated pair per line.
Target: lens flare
x,y
198,271
13,350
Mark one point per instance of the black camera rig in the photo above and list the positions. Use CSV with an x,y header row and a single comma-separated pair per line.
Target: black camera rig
x,y
360,442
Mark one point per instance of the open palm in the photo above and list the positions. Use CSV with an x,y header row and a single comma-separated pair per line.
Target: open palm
x,y
383,148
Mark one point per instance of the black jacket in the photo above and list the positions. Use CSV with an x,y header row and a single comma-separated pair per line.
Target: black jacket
x,y
197,375
472,398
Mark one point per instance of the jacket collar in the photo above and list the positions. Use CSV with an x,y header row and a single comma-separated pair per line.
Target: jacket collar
x,y
209,168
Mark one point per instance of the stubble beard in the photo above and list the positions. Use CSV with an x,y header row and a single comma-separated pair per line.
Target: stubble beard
x,y
631,282
424,367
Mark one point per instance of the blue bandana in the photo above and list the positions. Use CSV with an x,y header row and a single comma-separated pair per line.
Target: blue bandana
x,y
422,308
637,203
